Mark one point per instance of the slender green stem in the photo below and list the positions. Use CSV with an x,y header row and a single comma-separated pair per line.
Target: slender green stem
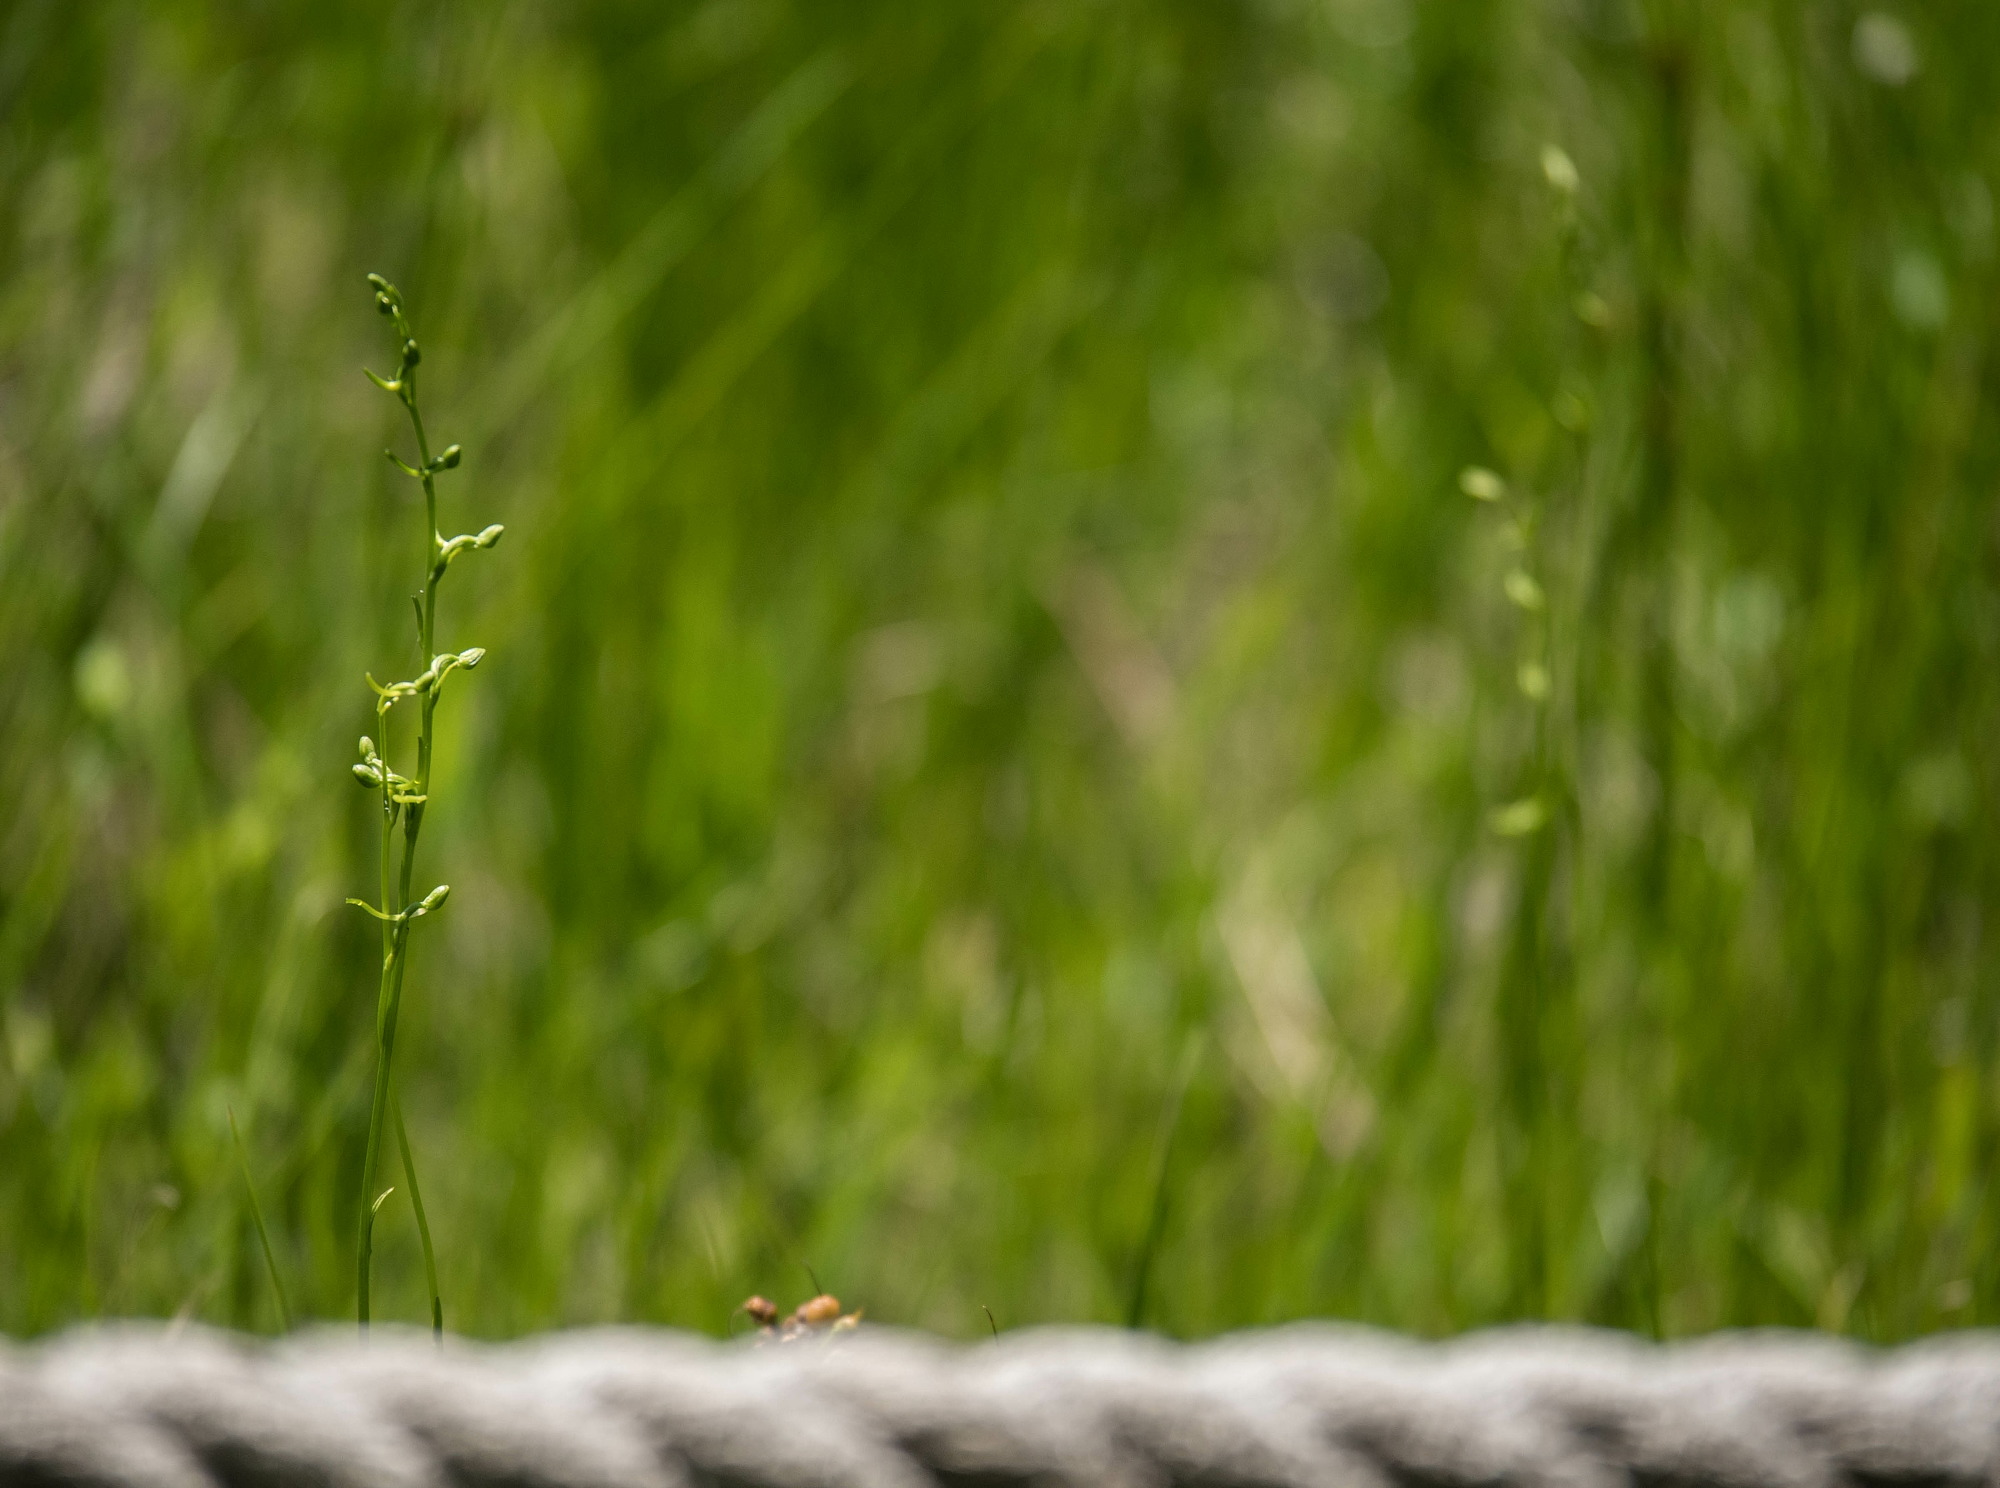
x,y
388,1001
396,899
423,1224
365,1243
257,1216
406,798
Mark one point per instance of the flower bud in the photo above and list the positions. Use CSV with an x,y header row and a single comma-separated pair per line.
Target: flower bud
x,y
366,776
411,354
448,460
367,747
489,537
472,657
434,898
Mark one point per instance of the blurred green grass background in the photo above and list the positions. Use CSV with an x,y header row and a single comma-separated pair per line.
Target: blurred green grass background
x,y
990,637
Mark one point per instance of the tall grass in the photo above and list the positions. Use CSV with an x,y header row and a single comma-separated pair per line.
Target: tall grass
x,y
998,606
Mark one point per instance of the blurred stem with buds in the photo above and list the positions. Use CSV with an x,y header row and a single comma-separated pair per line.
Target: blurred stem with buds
x,y
403,798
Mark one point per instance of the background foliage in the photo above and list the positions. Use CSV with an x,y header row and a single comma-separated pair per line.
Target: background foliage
x,y
990,637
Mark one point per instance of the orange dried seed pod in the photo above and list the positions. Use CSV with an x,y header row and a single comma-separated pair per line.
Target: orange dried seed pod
x,y
821,1309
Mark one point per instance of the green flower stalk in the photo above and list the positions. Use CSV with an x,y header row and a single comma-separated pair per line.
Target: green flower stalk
x,y
404,797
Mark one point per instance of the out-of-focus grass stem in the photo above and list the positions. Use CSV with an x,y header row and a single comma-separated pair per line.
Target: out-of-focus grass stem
x,y
1162,1186
423,1222
257,1217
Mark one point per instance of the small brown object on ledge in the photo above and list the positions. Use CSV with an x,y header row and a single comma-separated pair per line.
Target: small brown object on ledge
x,y
821,1309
